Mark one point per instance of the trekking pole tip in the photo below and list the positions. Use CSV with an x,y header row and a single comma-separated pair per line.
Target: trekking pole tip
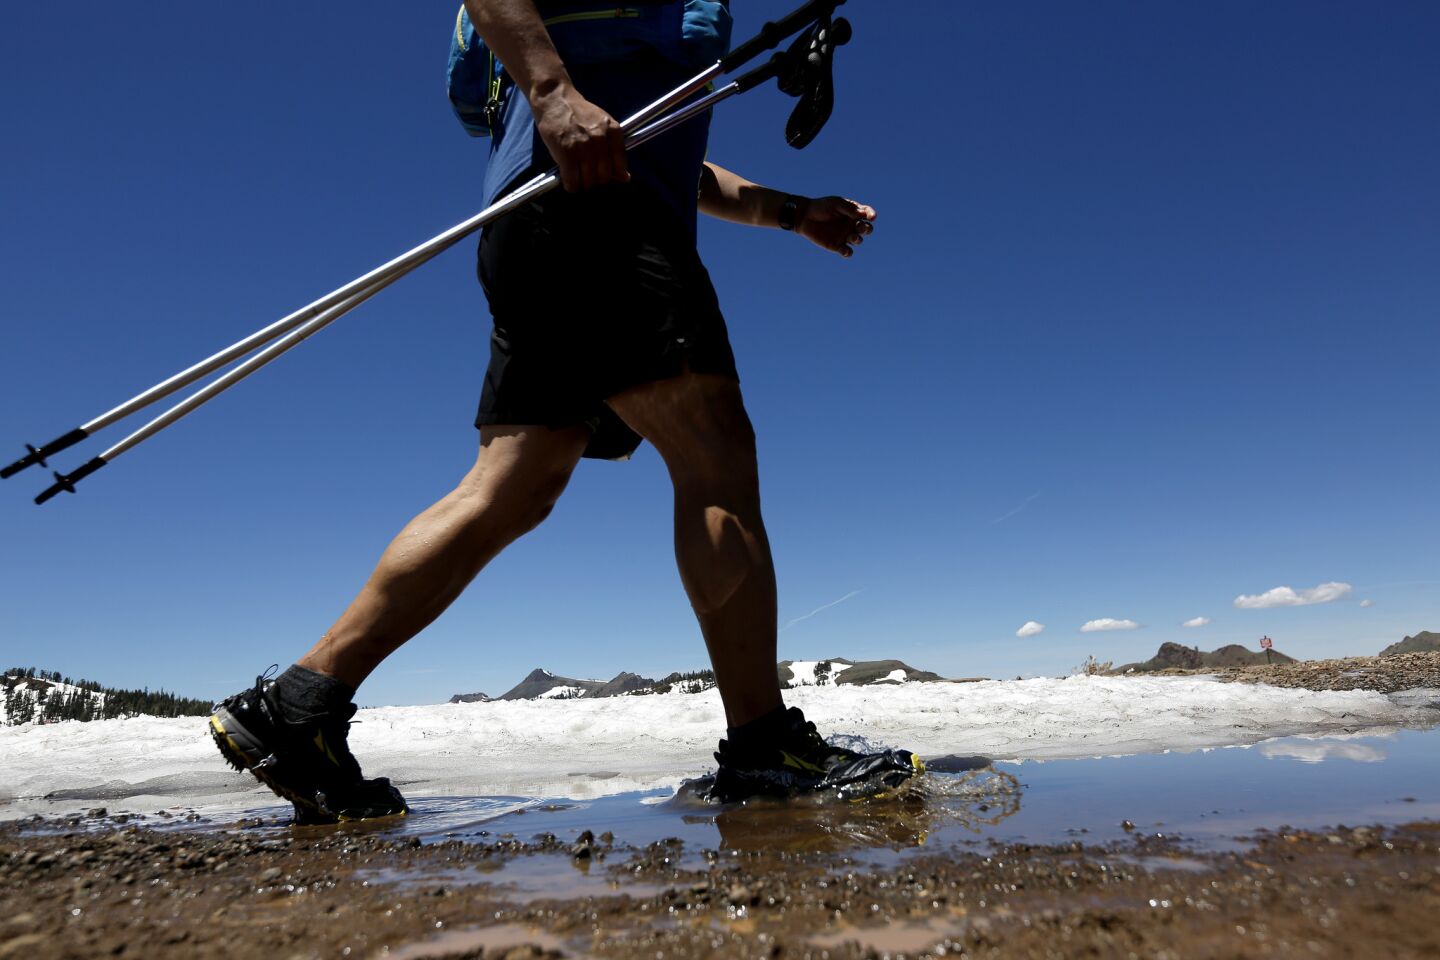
x,y
62,483
65,482
30,459
37,455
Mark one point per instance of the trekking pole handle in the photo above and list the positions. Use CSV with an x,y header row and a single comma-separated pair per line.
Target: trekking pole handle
x,y
773,33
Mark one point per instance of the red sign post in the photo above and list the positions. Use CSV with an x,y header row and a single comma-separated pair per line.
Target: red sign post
x,y
1265,644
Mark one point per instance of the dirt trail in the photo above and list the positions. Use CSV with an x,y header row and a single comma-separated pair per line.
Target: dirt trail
x,y
123,890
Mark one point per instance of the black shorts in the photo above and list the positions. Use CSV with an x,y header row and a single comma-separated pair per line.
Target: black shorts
x,y
593,293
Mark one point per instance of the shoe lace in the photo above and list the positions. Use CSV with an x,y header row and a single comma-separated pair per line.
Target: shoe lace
x,y
269,674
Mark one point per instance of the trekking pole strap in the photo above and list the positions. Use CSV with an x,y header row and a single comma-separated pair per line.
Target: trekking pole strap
x,y
773,33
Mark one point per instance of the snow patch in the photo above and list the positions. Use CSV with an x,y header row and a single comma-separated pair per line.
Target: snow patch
x,y
560,693
804,675
586,748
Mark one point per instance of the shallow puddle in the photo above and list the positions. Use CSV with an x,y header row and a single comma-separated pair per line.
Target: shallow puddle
x,y
475,941
1209,799
520,879
906,938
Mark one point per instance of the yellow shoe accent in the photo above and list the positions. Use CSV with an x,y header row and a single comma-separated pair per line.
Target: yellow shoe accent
x,y
324,747
220,731
798,764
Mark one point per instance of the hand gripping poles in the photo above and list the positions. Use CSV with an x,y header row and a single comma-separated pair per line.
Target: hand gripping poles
x,y
803,70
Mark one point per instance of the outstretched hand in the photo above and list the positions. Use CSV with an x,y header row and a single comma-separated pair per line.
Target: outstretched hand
x,y
837,224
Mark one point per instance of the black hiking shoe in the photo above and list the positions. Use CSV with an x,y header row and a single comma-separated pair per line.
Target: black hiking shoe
x,y
797,760
304,759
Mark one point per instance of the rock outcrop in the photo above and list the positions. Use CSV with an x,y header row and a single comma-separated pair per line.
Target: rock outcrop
x,y
1176,656
1425,641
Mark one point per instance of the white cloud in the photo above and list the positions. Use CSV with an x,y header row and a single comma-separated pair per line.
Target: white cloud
x,y
1289,597
1197,622
1030,629
1108,623
1367,603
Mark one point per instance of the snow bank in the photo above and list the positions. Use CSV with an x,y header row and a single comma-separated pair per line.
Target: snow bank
x,y
585,748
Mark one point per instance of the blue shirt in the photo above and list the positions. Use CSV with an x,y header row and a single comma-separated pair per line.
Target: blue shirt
x,y
670,164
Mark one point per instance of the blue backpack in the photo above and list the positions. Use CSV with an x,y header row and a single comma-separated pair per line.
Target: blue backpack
x,y
692,33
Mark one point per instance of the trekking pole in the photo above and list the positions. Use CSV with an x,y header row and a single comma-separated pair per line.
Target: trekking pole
x,y
305,322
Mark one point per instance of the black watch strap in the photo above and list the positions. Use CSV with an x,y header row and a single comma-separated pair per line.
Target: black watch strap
x,y
790,213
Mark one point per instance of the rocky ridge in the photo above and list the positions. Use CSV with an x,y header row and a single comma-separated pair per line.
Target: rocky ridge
x,y
542,684
1425,641
1176,656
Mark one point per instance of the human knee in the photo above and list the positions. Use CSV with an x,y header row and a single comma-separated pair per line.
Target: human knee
x,y
531,515
513,507
730,486
528,504
701,422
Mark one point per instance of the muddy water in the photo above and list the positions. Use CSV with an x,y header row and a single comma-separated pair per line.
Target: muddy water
x,y
1006,860
1209,800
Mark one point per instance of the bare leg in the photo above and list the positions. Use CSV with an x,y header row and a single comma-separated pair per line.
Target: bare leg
x,y
518,476
698,424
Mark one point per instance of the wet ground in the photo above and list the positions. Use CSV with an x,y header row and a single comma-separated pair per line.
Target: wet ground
x,y
1229,852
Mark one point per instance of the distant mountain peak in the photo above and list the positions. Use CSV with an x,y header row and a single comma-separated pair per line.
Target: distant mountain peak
x,y
1421,642
541,684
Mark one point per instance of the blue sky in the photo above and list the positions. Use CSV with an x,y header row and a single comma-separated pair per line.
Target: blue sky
x,y
1148,324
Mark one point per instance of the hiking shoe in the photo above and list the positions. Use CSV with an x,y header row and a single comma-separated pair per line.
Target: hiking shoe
x,y
305,760
795,759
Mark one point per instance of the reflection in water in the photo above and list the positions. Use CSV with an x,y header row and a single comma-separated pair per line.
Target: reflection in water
x,y
1319,750
475,941
520,880
972,798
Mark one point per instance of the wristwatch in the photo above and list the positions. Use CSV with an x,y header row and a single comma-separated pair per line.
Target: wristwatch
x,y
789,213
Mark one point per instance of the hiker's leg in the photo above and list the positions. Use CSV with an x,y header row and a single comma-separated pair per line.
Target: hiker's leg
x,y
698,424
518,476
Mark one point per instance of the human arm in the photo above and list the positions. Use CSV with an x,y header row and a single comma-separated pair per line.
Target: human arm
x,y
585,141
834,223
